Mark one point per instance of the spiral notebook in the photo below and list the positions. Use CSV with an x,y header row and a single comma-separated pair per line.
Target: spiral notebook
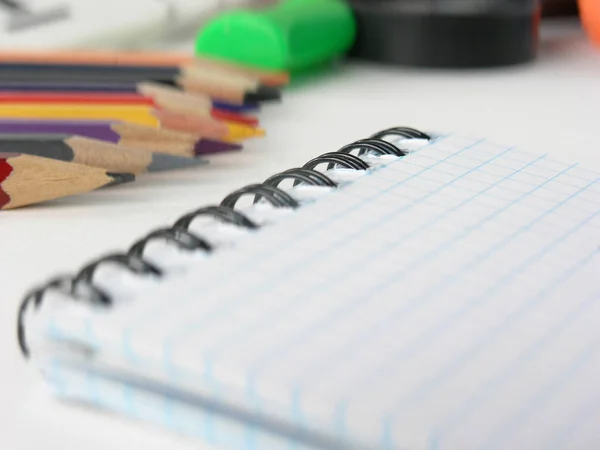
x,y
408,292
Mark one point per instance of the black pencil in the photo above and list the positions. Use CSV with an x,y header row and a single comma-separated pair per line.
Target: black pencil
x,y
234,88
92,152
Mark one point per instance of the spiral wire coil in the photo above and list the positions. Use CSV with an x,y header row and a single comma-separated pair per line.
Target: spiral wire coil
x,y
82,285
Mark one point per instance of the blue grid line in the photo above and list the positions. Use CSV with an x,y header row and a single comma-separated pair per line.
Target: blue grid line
x,y
509,193
499,164
167,353
168,408
555,171
357,300
482,257
443,374
297,413
393,317
193,419
54,376
251,438
339,421
543,396
92,388
128,400
436,380
355,235
387,441
486,171
194,323
93,342
469,406
282,246
581,418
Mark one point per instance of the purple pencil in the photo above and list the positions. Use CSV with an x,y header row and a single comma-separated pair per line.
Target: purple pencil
x,y
128,134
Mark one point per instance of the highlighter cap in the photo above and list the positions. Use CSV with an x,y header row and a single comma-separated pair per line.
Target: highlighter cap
x,y
291,36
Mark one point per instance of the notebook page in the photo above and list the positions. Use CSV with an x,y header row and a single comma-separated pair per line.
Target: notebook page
x,y
446,301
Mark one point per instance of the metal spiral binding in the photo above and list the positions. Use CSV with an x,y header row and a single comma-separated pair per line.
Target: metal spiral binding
x,y
406,132
81,285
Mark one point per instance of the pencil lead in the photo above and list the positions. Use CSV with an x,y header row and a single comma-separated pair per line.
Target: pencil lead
x,y
237,132
120,178
248,106
210,146
163,161
263,94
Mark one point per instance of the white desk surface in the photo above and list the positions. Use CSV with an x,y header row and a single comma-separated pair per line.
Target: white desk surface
x,y
552,106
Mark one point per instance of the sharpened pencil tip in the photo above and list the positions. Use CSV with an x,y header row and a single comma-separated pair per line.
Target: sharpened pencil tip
x,y
210,146
263,94
162,162
120,178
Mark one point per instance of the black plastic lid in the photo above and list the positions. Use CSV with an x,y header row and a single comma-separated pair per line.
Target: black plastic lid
x,y
446,33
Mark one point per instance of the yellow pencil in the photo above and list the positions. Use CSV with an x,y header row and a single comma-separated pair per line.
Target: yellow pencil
x,y
137,114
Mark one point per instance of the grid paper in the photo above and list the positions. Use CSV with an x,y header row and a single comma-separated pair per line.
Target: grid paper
x,y
447,301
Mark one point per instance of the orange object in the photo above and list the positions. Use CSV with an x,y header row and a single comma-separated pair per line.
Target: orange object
x,y
590,17
109,99
75,97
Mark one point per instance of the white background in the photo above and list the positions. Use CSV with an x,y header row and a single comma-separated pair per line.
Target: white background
x,y
551,106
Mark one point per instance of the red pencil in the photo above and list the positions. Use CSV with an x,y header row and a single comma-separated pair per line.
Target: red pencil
x,y
111,98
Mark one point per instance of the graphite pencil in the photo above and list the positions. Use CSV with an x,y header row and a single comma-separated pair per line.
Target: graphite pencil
x,y
234,88
145,58
27,179
95,153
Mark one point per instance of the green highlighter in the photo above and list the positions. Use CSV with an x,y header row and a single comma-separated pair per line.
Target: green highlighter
x,y
294,35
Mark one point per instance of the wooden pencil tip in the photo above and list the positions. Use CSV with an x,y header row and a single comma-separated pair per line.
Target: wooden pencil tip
x,y
263,94
237,132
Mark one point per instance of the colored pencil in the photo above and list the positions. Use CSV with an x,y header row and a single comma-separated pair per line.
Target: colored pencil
x,y
124,133
246,107
99,98
234,88
270,78
102,87
138,114
92,152
138,59
176,100
26,179
189,124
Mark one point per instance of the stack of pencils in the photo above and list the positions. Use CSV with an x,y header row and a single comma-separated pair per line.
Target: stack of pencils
x,y
72,122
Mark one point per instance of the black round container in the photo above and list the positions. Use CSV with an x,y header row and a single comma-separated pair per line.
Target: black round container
x,y
446,33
